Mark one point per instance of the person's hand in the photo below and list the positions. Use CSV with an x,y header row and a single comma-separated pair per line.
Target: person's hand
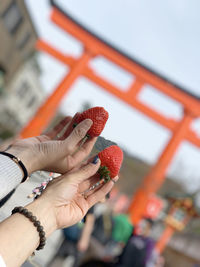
x,y
60,155
62,204
82,246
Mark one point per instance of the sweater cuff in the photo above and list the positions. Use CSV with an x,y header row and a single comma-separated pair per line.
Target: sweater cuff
x,y
10,175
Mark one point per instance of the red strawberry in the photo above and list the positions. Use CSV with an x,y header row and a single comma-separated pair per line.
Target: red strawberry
x,y
111,160
98,115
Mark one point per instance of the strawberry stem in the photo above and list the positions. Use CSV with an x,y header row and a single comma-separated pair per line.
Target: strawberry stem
x,y
104,173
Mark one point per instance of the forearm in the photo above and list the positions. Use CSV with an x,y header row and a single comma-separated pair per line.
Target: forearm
x,y
87,230
19,237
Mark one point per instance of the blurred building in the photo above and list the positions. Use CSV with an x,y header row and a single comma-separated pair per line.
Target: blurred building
x,y
18,37
21,99
20,90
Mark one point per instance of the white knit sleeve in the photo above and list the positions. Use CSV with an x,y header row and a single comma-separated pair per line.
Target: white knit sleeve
x,y
2,263
10,175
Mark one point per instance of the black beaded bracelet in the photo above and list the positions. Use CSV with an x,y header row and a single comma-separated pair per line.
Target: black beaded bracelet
x,y
18,162
35,222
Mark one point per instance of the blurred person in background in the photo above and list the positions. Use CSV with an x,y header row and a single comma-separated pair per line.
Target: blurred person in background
x,y
139,249
111,232
121,232
122,227
102,230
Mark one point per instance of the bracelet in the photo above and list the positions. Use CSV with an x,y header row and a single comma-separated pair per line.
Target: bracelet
x,y
19,163
35,222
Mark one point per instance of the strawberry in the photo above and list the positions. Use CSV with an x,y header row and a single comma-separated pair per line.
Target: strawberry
x,y
111,160
98,115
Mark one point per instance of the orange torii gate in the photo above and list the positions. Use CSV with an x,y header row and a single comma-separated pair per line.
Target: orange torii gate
x,y
95,46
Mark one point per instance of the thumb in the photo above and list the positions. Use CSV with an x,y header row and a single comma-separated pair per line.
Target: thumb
x,y
77,135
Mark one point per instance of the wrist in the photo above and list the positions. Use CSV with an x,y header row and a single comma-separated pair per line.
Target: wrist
x,y
44,213
26,156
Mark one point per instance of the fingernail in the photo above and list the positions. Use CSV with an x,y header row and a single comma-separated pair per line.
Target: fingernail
x,y
95,160
88,122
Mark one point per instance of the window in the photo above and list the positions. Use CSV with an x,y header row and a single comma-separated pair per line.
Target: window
x,y
12,17
31,102
24,40
23,89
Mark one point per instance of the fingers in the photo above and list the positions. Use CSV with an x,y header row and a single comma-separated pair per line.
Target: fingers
x,y
99,194
52,134
88,183
85,172
77,135
70,127
102,183
91,180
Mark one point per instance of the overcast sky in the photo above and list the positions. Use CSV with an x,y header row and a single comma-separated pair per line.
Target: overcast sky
x,y
165,35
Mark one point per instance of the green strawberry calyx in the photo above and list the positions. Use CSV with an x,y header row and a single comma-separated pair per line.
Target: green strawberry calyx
x,y
75,124
104,173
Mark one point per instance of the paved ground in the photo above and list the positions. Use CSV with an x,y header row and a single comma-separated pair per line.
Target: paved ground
x,y
20,199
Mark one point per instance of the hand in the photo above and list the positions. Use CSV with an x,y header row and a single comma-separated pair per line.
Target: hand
x,y
61,155
82,246
62,204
